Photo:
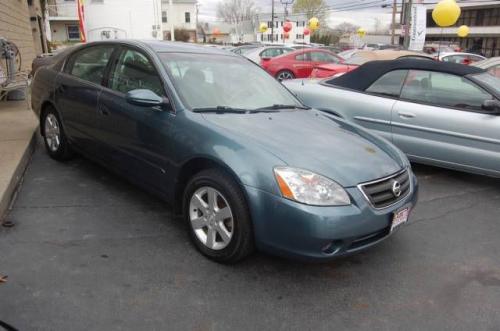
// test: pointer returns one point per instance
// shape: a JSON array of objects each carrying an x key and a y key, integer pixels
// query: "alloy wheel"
[
  {"x": 211, "y": 218},
  {"x": 52, "y": 132},
  {"x": 284, "y": 75}
]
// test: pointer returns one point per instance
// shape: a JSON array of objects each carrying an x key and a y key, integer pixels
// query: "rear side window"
[
  {"x": 89, "y": 64},
  {"x": 323, "y": 57},
  {"x": 443, "y": 89},
  {"x": 389, "y": 84},
  {"x": 303, "y": 57}
]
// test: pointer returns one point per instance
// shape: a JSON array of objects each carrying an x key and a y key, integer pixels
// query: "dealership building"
[{"x": 483, "y": 19}]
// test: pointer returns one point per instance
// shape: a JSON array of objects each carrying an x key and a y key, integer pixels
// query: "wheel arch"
[{"x": 191, "y": 168}]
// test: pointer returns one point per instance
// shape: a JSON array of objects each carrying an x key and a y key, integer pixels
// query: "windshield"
[
  {"x": 489, "y": 80},
  {"x": 209, "y": 80}
]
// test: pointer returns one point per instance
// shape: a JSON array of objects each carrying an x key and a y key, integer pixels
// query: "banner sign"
[
  {"x": 81, "y": 19},
  {"x": 418, "y": 24}
]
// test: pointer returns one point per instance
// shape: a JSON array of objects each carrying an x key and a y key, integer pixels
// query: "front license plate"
[{"x": 399, "y": 218}]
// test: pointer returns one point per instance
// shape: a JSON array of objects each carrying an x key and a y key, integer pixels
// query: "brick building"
[{"x": 21, "y": 22}]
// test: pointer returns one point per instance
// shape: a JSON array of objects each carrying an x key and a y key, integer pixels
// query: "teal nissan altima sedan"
[{"x": 245, "y": 163}]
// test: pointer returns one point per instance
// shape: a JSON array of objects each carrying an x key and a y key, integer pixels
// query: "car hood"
[{"x": 313, "y": 140}]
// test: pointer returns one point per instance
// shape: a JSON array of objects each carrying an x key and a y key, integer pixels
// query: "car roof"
[
  {"x": 487, "y": 63},
  {"x": 167, "y": 46},
  {"x": 364, "y": 76}
]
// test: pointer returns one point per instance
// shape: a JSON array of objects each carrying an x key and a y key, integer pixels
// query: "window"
[
  {"x": 89, "y": 64},
  {"x": 443, "y": 90},
  {"x": 272, "y": 52},
  {"x": 210, "y": 80},
  {"x": 389, "y": 84},
  {"x": 323, "y": 57},
  {"x": 494, "y": 70},
  {"x": 187, "y": 17},
  {"x": 303, "y": 57},
  {"x": 164, "y": 16},
  {"x": 73, "y": 32},
  {"x": 134, "y": 71}
]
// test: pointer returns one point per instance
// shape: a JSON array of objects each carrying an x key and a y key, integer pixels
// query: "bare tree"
[
  {"x": 345, "y": 28},
  {"x": 236, "y": 11},
  {"x": 311, "y": 8}
]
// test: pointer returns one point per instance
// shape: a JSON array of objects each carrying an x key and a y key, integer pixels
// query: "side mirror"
[
  {"x": 145, "y": 98},
  {"x": 491, "y": 105}
]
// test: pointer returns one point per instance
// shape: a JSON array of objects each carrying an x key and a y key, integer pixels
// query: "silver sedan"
[{"x": 441, "y": 114}]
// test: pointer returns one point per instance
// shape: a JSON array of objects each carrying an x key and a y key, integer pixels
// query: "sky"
[{"x": 340, "y": 13}]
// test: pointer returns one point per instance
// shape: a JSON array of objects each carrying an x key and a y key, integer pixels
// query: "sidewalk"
[{"x": 17, "y": 127}]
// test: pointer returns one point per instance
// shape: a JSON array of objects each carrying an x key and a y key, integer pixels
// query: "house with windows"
[
  {"x": 181, "y": 16},
  {"x": 62, "y": 21},
  {"x": 276, "y": 34},
  {"x": 104, "y": 19}
]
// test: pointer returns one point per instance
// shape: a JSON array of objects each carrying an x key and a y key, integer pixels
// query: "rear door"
[
  {"x": 439, "y": 120},
  {"x": 77, "y": 92},
  {"x": 137, "y": 137},
  {"x": 302, "y": 65}
]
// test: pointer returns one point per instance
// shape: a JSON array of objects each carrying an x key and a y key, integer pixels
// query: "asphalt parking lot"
[{"x": 91, "y": 252}]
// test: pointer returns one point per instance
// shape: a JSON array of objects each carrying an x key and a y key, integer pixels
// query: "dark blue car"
[{"x": 231, "y": 149}]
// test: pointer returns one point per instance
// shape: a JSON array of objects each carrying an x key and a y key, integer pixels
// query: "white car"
[
  {"x": 257, "y": 54},
  {"x": 492, "y": 65},
  {"x": 462, "y": 58}
]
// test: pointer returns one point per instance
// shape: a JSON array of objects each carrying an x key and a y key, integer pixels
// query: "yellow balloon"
[
  {"x": 313, "y": 23},
  {"x": 361, "y": 32},
  {"x": 263, "y": 27},
  {"x": 463, "y": 31},
  {"x": 446, "y": 13}
]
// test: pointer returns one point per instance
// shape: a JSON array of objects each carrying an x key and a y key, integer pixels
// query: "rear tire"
[
  {"x": 56, "y": 142},
  {"x": 217, "y": 217},
  {"x": 284, "y": 75}
]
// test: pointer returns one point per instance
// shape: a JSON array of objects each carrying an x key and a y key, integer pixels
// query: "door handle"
[
  {"x": 406, "y": 115},
  {"x": 61, "y": 89},
  {"x": 103, "y": 110}
]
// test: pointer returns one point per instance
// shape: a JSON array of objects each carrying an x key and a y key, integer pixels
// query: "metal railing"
[{"x": 62, "y": 10}]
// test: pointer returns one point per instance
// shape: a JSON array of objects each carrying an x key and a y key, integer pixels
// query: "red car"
[
  {"x": 329, "y": 70},
  {"x": 298, "y": 64}
]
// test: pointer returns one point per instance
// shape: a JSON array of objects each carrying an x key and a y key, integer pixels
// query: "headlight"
[{"x": 310, "y": 188}]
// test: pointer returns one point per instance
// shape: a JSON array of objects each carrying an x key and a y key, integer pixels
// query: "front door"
[
  {"x": 439, "y": 120},
  {"x": 136, "y": 136}
]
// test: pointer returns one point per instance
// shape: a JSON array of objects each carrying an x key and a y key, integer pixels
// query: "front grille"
[{"x": 384, "y": 192}]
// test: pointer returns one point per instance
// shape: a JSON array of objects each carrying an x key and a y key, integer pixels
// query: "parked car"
[
  {"x": 438, "y": 113},
  {"x": 245, "y": 48},
  {"x": 442, "y": 47},
  {"x": 333, "y": 49},
  {"x": 257, "y": 54},
  {"x": 298, "y": 64},
  {"x": 456, "y": 57},
  {"x": 244, "y": 162},
  {"x": 361, "y": 57},
  {"x": 492, "y": 65}
]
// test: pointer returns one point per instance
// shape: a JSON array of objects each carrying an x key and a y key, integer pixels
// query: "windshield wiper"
[
  {"x": 221, "y": 109},
  {"x": 280, "y": 106}
]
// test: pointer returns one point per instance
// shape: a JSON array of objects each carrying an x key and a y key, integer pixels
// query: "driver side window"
[{"x": 135, "y": 71}]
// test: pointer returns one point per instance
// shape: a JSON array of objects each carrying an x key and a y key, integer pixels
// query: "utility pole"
[
  {"x": 407, "y": 23},
  {"x": 171, "y": 19},
  {"x": 393, "y": 32},
  {"x": 196, "y": 23},
  {"x": 272, "y": 19}
]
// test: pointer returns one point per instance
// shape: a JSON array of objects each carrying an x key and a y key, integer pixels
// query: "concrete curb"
[{"x": 7, "y": 197}]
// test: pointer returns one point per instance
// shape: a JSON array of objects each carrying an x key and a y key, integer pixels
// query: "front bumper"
[{"x": 287, "y": 228}]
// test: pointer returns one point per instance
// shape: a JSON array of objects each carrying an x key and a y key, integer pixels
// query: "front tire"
[
  {"x": 56, "y": 143},
  {"x": 217, "y": 217}
]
